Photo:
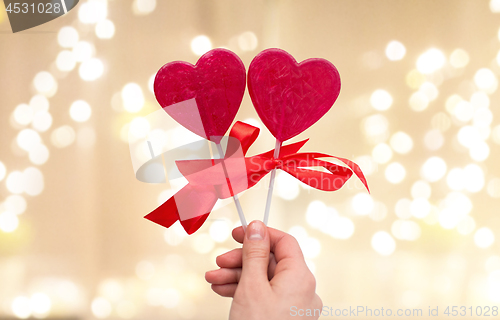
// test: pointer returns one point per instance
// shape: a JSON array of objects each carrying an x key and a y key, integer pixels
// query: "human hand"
[{"x": 267, "y": 278}]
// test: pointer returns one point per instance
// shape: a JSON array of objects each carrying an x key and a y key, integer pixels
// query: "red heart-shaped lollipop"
[
  {"x": 289, "y": 96},
  {"x": 206, "y": 97}
]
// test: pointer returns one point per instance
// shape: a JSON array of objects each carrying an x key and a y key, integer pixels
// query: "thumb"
[{"x": 256, "y": 249}]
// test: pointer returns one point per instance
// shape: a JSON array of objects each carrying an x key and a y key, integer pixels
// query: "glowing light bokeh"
[
  {"x": 21, "y": 307},
  {"x": 311, "y": 247},
  {"x": 3, "y": 171},
  {"x": 381, "y": 100},
  {"x": 420, "y": 208},
  {"x": 8, "y": 222},
  {"x": 201, "y": 44},
  {"x": 433, "y": 139},
  {"x": 456, "y": 179},
  {"x": 419, "y": 101},
  {"x": 65, "y": 61},
  {"x": 496, "y": 134},
  {"x": 382, "y": 153},
  {"x": 14, "y": 182},
  {"x": 174, "y": 235},
  {"x": 287, "y": 187},
  {"x": 480, "y": 100},
  {"x": 28, "y": 139},
  {"x": 448, "y": 219},
  {"x": 383, "y": 243},
  {"x": 459, "y": 58},
  {"x": 484, "y": 237},
  {"x": 459, "y": 202},
  {"x": 493, "y": 187},
  {"x": 15, "y": 204},
  {"x": 33, "y": 181},
  {"x": 143, "y": 7},
  {"x": 139, "y": 128},
  {"x": 395, "y": 172},
  {"x": 101, "y": 308},
  {"x": 40, "y": 305},
  {"x": 401, "y": 142},
  {"x": 132, "y": 97},
  {"x": 338, "y": 227},
  {"x": 395, "y": 50},
  {"x": 63, "y": 136},
  {"x": 495, "y": 6},
  {"x": 42, "y": 121},
  {"x": 247, "y": 41},
  {"x": 414, "y": 79},
  {"x": 92, "y": 11},
  {"x": 80, "y": 111},
  {"x": 39, "y": 103},
  {"x": 171, "y": 298},
  {"x": 479, "y": 151},
  {"x": 485, "y": 79},
  {"x": 317, "y": 214},
  {"x": 105, "y": 29},
  {"x": 482, "y": 118},
  {"x": 468, "y": 136},
  {"x": 220, "y": 230},
  {"x": 39, "y": 154},
  {"x": 433, "y": 169},
  {"x": 376, "y": 127},
  {"x": 362, "y": 203},
  {"x": 83, "y": 51},
  {"x": 463, "y": 111},
  {"x": 23, "y": 114},
  {"x": 44, "y": 82},
  {"x": 474, "y": 178},
  {"x": 429, "y": 90},
  {"x": 430, "y": 61},
  {"x": 91, "y": 69},
  {"x": 451, "y": 102},
  {"x": 67, "y": 37}
]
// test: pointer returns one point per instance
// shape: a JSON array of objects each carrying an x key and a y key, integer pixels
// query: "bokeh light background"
[{"x": 418, "y": 110}]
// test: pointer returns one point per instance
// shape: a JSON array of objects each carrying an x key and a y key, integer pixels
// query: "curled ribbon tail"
[
  {"x": 314, "y": 155},
  {"x": 332, "y": 180},
  {"x": 357, "y": 171},
  {"x": 191, "y": 206}
]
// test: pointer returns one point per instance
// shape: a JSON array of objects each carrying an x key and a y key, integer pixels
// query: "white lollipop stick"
[
  {"x": 235, "y": 197},
  {"x": 277, "y": 148}
]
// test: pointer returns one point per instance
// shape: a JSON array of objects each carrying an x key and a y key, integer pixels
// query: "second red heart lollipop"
[
  {"x": 289, "y": 96},
  {"x": 205, "y": 97}
]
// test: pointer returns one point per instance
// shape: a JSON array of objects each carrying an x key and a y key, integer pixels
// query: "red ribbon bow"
[{"x": 210, "y": 180}]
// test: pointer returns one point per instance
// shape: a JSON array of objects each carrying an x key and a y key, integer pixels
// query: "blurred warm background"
[{"x": 418, "y": 110}]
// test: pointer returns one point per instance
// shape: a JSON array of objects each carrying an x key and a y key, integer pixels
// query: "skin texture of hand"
[{"x": 267, "y": 278}]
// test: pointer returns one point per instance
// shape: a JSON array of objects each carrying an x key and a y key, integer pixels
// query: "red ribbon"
[{"x": 208, "y": 179}]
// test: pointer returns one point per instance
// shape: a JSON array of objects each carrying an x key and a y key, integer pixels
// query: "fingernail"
[{"x": 255, "y": 231}]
